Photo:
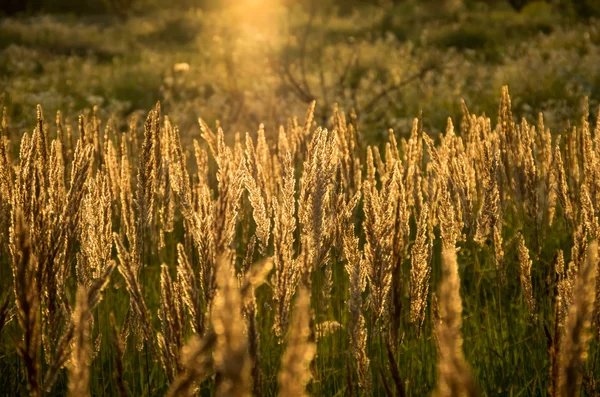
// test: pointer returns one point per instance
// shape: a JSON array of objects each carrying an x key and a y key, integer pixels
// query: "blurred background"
[{"x": 243, "y": 62}]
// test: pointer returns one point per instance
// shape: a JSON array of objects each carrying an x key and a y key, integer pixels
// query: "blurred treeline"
[
  {"x": 246, "y": 62},
  {"x": 124, "y": 8}
]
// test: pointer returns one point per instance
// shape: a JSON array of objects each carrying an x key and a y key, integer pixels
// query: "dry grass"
[{"x": 305, "y": 266}]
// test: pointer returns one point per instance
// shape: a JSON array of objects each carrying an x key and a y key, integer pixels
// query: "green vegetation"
[{"x": 408, "y": 58}]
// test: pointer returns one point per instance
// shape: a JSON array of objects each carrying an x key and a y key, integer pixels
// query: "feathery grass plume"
[
  {"x": 564, "y": 283},
  {"x": 111, "y": 165},
  {"x": 56, "y": 188},
  {"x": 27, "y": 291},
  {"x": 543, "y": 143},
  {"x": 587, "y": 217},
  {"x": 32, "y": 196},
  {"x": 454, "y": 375},
  {"x": 413, "y": 161},
  {"x": 119, "y": 349},
  {"x": 371, "y": 171},
  {"x": 564, "y": 286},
  {"x": 178, "y": 174},
  {"x": 165, "y": 194},
  {"x": 580, "y": 247},
  {"x": 129, "y": 271},
  {"x": 65, "y": 230},
  {"x": 489, "y": 218},
  {"x": 201, "y": 157},
  {"x": 357, "y": 277},
  {"x": 55, "y": 237},
  {"x": 201, "y": 222},
  {"x": 420, "y": 271},
  {"x": 379, "y": 165},
  {"x": 79, "y": 366},
  {"x": 24, "y": 186},
  {"x": 131, "y": 262},
  {"x": 283, "y": 147},
  {"x": 248, "y": 258},
  {"x": 41, "y": 139},
  {"x": 188, "y": 285},
  {"x": 316, "y": 225},
  {"x": 380, "y": 209},
  {"x": 572, "y": 152},
  {"x": 230, "y": 354},
  {"x": 93, "y": 122},
  {"x": 96, "y": 229},
  {"x": 261, "y": 217},
  {"x": 147, "y": 170},
  {"x": 508, "y": 138},
  {"x": 563, "y": 190},
  {"x": 350, "y": 167},
  {"x": 530, "y": 177},
  {"x": 209, "y": 137},
  {"x": 197, "y": 361},
  {"x": 461, "y": 173},
  {"x": 520, "y": 153},
  {"x": 265, "y": 167},
  {"x": 170, "y": 340},
  {"x": 550, "y": 191},
  {"x": 294, "y": 374},
  {"x": 230, "y": 188},
  {"x": 525, "y": 276},
  {"x": 432, "y": 185},
  {"x": 448, "y": 217},
  {"x": 308, "y": 120},
  {"x": 471, "y": 132},
  {"x": 450, "y": 228},
  {"x": 588, "y": 154},
  {"x": 546, "y": 172},
  {"x": 132, "y": 136},
  {"x": 138, "y": 213},
  {"x": 575, "y": 346},
  {"x": 203, "y": 236},
  {"x": 400, "y": 245},
  {"x": 286, "y": 274},
  {"x": 253, "y": 161},
  {"x": 127, "y": 220},
  {"x": 6, "y": 188}
]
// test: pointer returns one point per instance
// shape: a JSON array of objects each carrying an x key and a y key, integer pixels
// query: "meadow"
[{"x": 387, "y": 239}]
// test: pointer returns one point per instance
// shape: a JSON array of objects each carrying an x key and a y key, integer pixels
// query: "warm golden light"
[{"x": 257, "y": 14}]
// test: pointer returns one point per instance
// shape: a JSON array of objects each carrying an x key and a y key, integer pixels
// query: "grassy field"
[{"x": 152, "y": 253}]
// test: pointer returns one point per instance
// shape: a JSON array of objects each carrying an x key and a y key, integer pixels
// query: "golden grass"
[{"x": 308, "y": 199}]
